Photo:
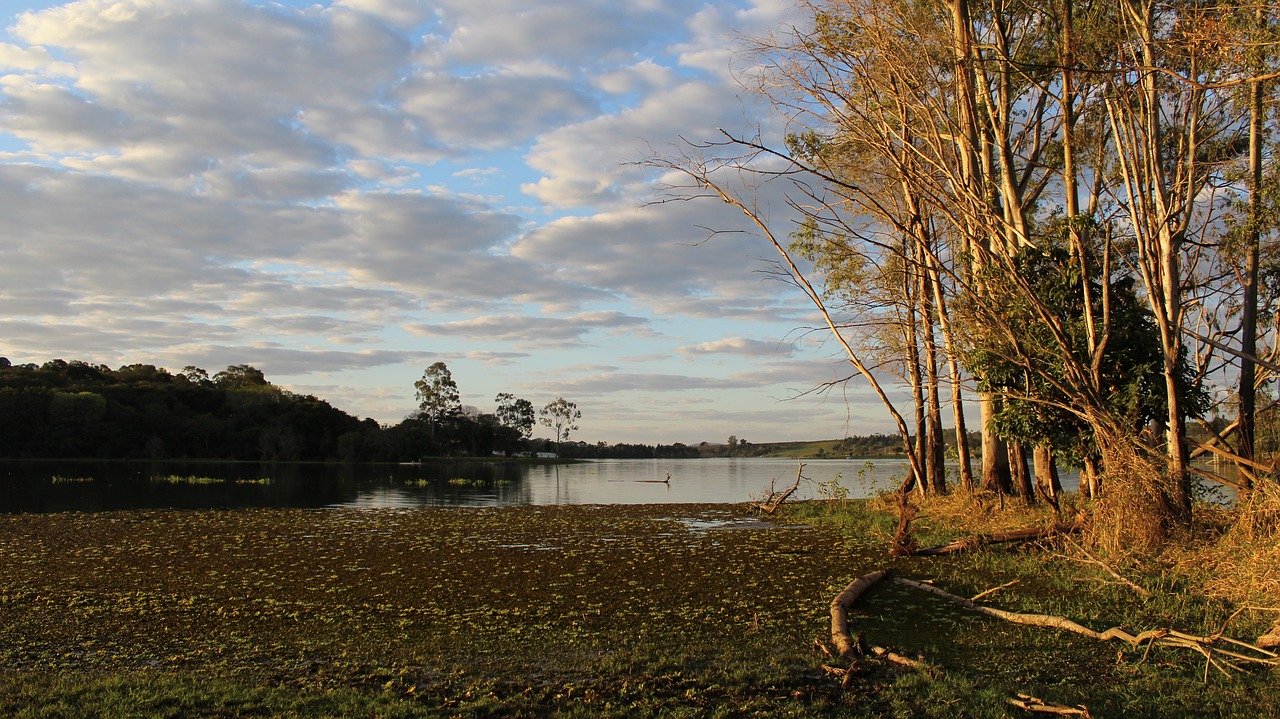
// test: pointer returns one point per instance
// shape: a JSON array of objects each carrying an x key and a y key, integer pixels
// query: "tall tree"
[
  {"x": 562, "y": 417},
  {"x": 953, "y": 137},
  {"x": 437, "y": 395},
  {"x": 515, "y": 413}
]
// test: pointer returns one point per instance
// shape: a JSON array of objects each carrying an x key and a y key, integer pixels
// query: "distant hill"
[{"x": 868, "y": 447}]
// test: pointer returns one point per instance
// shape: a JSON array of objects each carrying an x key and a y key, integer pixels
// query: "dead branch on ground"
[
  {"x": 1090, "y": 559},
  {"x": 1017, "y": 535},
  {"x": 1032, "y": 704},
  {"x": 1220, "y": 651},
  {"x": 1211, "y": 647},
  {"x": 846, "y": 646},
  {"x": 993, "y": 590}
]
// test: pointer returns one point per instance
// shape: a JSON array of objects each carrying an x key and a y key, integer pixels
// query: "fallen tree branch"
[
  {"x": 1207, "y": 646},
  {"x": 1017, "y": 535},
  {"x": 774, "y": 499},
  {"x": 993, "y": 590},
  {"x": 1095, "y": 561},
  {"x": 840, "y": 610},
  {"x": 845, "y": 644},
  {"x": 1032, "y": 704}
]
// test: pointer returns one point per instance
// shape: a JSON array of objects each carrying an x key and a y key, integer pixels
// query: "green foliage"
[
  {"x": 241, "y": 377},
  {"x": 437, "y": 394},
  {"x": 515, "y": 412},
  {"x": 73, "y": 409},
  {"x": 833, "y": 492},
  {"x": 1023, "y": 354},
  {"x": 561, "y": 416}
]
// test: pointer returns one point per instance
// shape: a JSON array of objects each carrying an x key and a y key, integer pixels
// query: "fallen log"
[
  {"x": 845, "y": 644},
  {"x": 1017, "y": 535},
  {"x": 840, "y": 610}
]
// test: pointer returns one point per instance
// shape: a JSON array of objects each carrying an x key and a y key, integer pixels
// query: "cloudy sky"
[{"x": 341, "y": 193}]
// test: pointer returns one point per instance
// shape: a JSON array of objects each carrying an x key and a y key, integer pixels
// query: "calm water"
[{"x": 99, "y": 486}]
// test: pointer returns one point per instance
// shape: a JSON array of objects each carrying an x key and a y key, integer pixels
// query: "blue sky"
[{"x": 343, "y": 193}]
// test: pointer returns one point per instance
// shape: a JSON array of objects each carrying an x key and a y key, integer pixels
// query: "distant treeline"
[
  {"x": 872, "y": 445},
  {"x": 75, "y": 409}
]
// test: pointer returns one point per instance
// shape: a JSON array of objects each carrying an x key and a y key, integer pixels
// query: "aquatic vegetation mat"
[
  {"x": 444, "y": 606},
  {"x": 632, "y": 610}
]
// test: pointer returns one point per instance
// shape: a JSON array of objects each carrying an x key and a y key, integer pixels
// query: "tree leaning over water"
[{"x": 932, "y": 146}]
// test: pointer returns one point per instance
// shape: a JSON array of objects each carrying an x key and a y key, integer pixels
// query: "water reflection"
[{"x": 99, "y": 486}]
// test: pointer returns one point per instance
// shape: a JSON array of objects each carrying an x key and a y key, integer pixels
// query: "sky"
[{"x": 342, "y": 193}]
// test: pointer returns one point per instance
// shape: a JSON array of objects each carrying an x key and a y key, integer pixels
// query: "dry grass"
[
  {"x": 1234, "y": 554},
  {"x": 1134, "y": 514},
  {"x": 1241, "y": 560},
  {"x": 944, "y": 517}
]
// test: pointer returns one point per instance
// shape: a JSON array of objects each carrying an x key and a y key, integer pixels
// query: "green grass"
[{"x": 635, "y": 611}]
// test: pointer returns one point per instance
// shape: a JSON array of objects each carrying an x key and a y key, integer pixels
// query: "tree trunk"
[
  {"x": 934, "y": 456},
  {"x": 953, "y": 369},
  {"x": 1246, "y": 431},
  {"x": 1047, "y": 481},
  {"x": 915, "y": 371},
  {"x": 995, "y": 453},
  {"x": 1021, "y": 473}
]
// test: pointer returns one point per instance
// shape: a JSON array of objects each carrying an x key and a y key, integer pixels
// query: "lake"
[{"x": 98, "y": 486}]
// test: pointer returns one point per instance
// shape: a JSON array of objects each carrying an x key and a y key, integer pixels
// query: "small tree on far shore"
[
  {"x": 515, "y": 413},
  {"x": 561, "y": 416}
]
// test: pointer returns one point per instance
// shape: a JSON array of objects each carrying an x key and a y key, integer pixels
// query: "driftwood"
[
  {"x": 840, "y": 610},
  {"x": 774, "y": 499},
  {"x": 1220, "y": 652}
]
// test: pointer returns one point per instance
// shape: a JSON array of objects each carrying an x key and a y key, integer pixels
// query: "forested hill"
[
  {"x": 75, "y": 409},
  {"x": 79, "y": 410}
]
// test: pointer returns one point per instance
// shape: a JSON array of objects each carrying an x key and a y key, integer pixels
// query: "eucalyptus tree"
[
  {"x": 562, "y": 417},
  {"x": 437, "y": 395},
  {"x": 944, "y": 140},
  {"x": 515, "y": 412}
]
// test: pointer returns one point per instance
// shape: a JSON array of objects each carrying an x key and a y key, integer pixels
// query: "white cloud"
[
  {"x": 741, "y": 346},
  {"x": 493, "y": 109},
  {"x": 332, "y": 191},
  {"x": 534, "y": 330},
  {"x": 403, "y": 14},
  {"x": 505, "y": 32}
]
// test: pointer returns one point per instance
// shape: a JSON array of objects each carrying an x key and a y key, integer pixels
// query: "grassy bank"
[{"x": 686, "y": 610}]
